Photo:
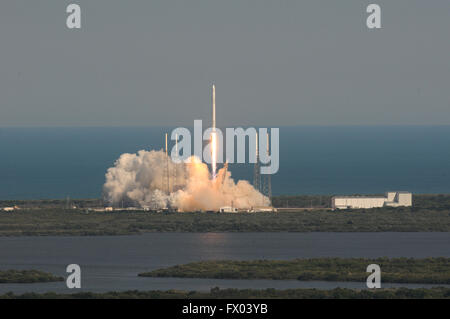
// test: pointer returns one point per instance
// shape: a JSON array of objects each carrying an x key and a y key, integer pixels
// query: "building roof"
[
  {"x": 361, "y": 196},
  {"x": 368, "y": 196}
]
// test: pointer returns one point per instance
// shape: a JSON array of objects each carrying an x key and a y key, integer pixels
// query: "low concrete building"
[
  {"x": 227, "y": 209},
  {"x": 102, "y": 209},
  {"x": 391, "y": 199}
]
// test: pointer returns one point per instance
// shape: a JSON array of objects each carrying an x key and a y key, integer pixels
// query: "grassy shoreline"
[
  {"x": 395, "y": 270},
  {"x": 57, "y": 222},
  {"x": 216, "y": 293},
  {"x": 26, "y": 277},
  {"x": 431, "y": 213}
]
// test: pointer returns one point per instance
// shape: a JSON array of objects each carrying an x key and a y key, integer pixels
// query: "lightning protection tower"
[
  {"x": 166, "y": 173},
  {"x": 267, "y": 180},
  {"x": 256, "y": 169}
]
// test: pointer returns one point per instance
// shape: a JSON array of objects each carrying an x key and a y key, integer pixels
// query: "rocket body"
[
  {"x": 213, "y": 135},
  {"x": 214, "y": 107}
]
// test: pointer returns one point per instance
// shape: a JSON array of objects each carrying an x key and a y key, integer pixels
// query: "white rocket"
[
  {"x": 214, "y": 108},
  {"x": 213, "y": 136}
]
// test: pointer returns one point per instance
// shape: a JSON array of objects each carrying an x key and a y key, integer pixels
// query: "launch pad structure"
[
  {"x": 261, "y": 182},
  {"x": 166, "y": 173}
]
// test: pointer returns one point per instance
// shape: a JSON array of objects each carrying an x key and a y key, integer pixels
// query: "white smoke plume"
[{"x": 141, "y": 180}]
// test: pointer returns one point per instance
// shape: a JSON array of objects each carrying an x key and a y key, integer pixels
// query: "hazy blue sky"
[{"x": 274, "y": 63}]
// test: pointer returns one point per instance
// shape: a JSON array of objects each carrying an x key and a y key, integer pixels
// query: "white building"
[
  {"x": 228, "y": 209},
  {"x": 392, "y": 199},
  {"x": 263, "y": 209}
]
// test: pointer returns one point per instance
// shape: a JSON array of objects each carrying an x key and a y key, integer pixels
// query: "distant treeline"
[
  {"x": 420, "y": 201},
  {"x": 302, "y": 201},
  {"x": 216, "y": 293},
  {"x": 26, "y": 276},
  {"x": 53, "y": 203},
  {"x": 396, "y": 270}
]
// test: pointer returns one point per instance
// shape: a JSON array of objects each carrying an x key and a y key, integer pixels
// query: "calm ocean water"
[
  {"x": 112, "y": 263},
  {"x": 60, "y": 162}
]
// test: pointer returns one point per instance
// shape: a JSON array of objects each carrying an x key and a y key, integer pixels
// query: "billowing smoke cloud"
[{"x": 141, "y": 180}]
